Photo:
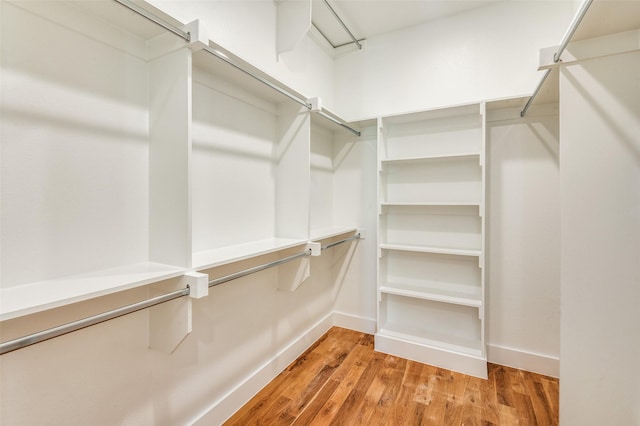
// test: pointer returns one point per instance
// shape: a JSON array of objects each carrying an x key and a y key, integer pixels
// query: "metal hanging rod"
[
  {"x": 337, "y": 243},
  {"x": 355, "y": 40},
  {"x": 167, "y": 26},
  {"x": 60, "y": 330},
  {"x": 227, "y": 278},
  {"x": 575, "y": 23},
  {"x": 338, "y": 122}
]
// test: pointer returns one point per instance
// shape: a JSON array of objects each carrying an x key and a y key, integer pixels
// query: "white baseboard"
[
  {"x": 529, "y": 361},
  {"x": 225, "y": 407},
  {"x": 356, "y": 323}
]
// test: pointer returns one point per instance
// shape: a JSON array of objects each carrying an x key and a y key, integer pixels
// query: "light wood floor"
[{"x": 340, "y": 380}]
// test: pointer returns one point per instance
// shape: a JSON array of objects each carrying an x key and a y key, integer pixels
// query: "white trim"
[
  {"x": 529, "y": 361},
  {"x": 227, "y": 405},
  {"x": 353, "y": 322}
]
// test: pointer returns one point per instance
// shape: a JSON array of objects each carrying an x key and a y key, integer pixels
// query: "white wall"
[
  {"x": 487, "y": 53},
  {"x": 523, "y": 292},
  {"x": 248, "y": 29},
  {"x": 600, "y": 177}
]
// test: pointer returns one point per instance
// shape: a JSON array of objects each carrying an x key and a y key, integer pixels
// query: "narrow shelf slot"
[{"x": 39, "y": 296}]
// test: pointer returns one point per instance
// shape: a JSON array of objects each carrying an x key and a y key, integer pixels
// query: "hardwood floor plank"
[{"x": 341, "y": 380}]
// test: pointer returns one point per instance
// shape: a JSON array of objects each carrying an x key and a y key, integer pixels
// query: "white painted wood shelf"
[
  {"x": 438, "y": 292},
  {"x": 434, "y": 157},
  {"x": 39, "y": 296},
  {"x": 330, "y": 232},
  {"x": 427, "y": 249},
  {"x": 225, "y": 255}
]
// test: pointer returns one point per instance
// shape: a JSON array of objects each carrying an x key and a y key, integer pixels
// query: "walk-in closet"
[{"x": 319, "y": 212}]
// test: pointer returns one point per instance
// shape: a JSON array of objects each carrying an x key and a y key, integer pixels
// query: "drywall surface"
[
  {"x": 600, "y": 173},
  {"x": 487, "y": 53},
  {"x": 523, "y": 291},
  {"x": 248, "y": 29}
]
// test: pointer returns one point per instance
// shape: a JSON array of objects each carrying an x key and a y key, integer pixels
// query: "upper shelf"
[
  {"x": 39, "y": 296},
  {"x": 606, "y": 17},
  {"x": 441, "y": 113},
  {"x": 444, "y": 156}
]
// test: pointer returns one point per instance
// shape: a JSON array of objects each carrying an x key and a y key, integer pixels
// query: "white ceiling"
[{"x": 368, "y": 18}]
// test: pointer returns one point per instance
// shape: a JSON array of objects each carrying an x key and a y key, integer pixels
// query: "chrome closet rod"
[
  {"x": 235, "y": 276},
  {"x": 355, "y": 40},
  {"x": 339, "y": 123},
  {"x": 260, "y": 79},
  {"x": 337, "y": 243},
  {"x": 167, "y": 26},
  {"x": 60, "y": 330},
  {"x": 575, "y": 23}
]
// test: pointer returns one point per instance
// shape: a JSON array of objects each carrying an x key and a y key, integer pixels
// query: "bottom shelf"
[
  {"x": 450, "y": 327},
  {"x": 397, "y": 345},
  {"x": 39, "y": 296}
]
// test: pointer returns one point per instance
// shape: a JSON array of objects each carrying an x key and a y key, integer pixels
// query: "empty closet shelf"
[
  {"x": 229, "y": 254},
  {"x": 427, "y": 249},
  {"x": 437, "y": 292},
  {"x": 433, "y": 157},
  {"x": 330, "y": 232},
  {"x": 39, "y": 296}
]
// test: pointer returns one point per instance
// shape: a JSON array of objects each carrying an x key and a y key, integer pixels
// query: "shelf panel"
[
  {"x": 431, "y": 204},
  {"x": 433, "y": 157},
  {"x": 39, "y": 296},
  {"x": 330, "y": 232},
  {"x": 224, "y": 255},
  {"x": 437, "y": 292},
  {"x": 427, "y": 249}
]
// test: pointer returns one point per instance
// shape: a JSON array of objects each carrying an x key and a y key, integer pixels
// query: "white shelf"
[
  {"x": 427, "y": 249},
  {"x": 30, "y": 298},
  {"x": 330, "y": 232},
  {"x": 434, "y": 340},
  {"x": 431, "y": 204},
  {"x": 224, "y": 255},
  {"x": 433, "y": 157},
  {"x": 438, "y": 292}
]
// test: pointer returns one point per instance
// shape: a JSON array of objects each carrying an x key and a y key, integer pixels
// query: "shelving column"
[{"x": 431, "y": 237}]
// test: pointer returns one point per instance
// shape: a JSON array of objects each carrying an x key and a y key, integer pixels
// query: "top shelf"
[{"x": 442, "y": 113}]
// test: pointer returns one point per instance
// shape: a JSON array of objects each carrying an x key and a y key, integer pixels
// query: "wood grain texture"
[{"x": 341, "y": 380}]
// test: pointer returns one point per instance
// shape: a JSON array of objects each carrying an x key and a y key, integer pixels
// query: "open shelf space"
[
  {"x": 454, "y": 181},
  {"x": 76, "y": 167},
  {"x": 441, "y": 277},
  {"x": 329, "y": 149},
  {"x": 450, "y": 227},
  {"x": 249, "y": 166},
  {"x": 425, "y": 322},
  {"x": 429, "y": 249},
  {"x": 448, "y": 132}
]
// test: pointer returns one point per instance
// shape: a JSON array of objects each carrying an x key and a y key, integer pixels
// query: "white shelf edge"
[
  {"x": 432, "y": 203},
  {"x": 435, "y": 297},
  {"x": 330, "y": 232},
  {"x": 21, "y": 300},
  {"x": 436, "y": 250},
  {"x": 446, "y": 156},
  {"x": 437, "y": 344},
  {"x": 221, "y": 256}
]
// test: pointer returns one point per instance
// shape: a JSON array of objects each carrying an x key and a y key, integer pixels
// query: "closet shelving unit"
[
  {"x": 150, "y": 158},
  {"x": 431, "y": 237}
]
